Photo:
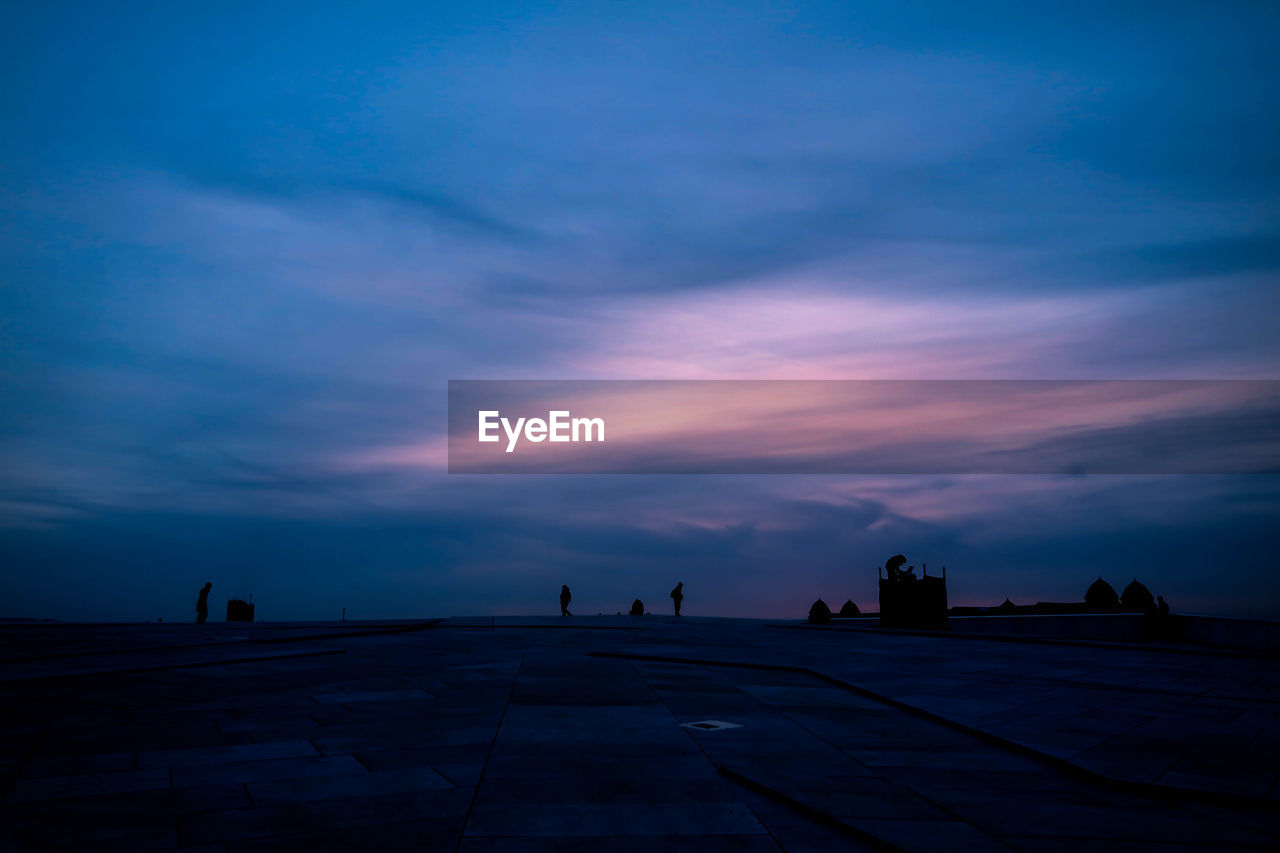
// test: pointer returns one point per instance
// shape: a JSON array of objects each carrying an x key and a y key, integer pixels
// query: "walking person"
[
  {"x": 202, "y": 603},
  {"x": 565, "y": 598},
  {"x": 677, "y": 596}
]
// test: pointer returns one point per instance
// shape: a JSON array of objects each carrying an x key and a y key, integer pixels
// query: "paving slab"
[
  {"x": 531, "y": 735},
  {"x": 86, "y": 785},
  {"x": 624, "y": 819},
  {"x": 250, "y": 772}
]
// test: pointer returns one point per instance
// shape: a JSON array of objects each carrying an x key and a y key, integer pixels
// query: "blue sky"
[{"x": 243, "y": 249}]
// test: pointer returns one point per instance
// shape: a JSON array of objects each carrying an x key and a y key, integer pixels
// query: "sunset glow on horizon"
[{"x": 245, "y": 250}]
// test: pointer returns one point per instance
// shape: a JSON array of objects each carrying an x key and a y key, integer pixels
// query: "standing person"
[
  {"x": 565, "y": 598},
  {"x": 202, "y": 603},
  {"x": 677, "y": 596}
]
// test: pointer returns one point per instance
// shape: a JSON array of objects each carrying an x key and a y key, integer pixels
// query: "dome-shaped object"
[
  {"x": 1101, "y": 596},
  {"x": 849, "y": 609},
  {"x": 1136, "y": 596},
  {"x": 637, "y": 608},
  {"x": 820, "y": 613}
]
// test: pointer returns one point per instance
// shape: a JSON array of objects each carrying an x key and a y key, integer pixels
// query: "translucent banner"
[{"x": 864, "y": 427}]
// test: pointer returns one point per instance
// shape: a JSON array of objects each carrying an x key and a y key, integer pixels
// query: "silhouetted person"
[
  {"x": 894, "y": 566},
  {"x": 637, "y": 608},
  {"x": 202, "y": 603},
  {"x": 677, "y": 596},
  {"x": 565, "y": 598},
  {"x": 1164, "y": 607}
]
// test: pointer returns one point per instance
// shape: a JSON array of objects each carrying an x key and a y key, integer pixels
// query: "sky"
[{"x": 244, "y": 247}]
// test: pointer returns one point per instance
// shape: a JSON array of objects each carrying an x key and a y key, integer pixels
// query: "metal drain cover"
[{"x": 711, "y": 725}]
